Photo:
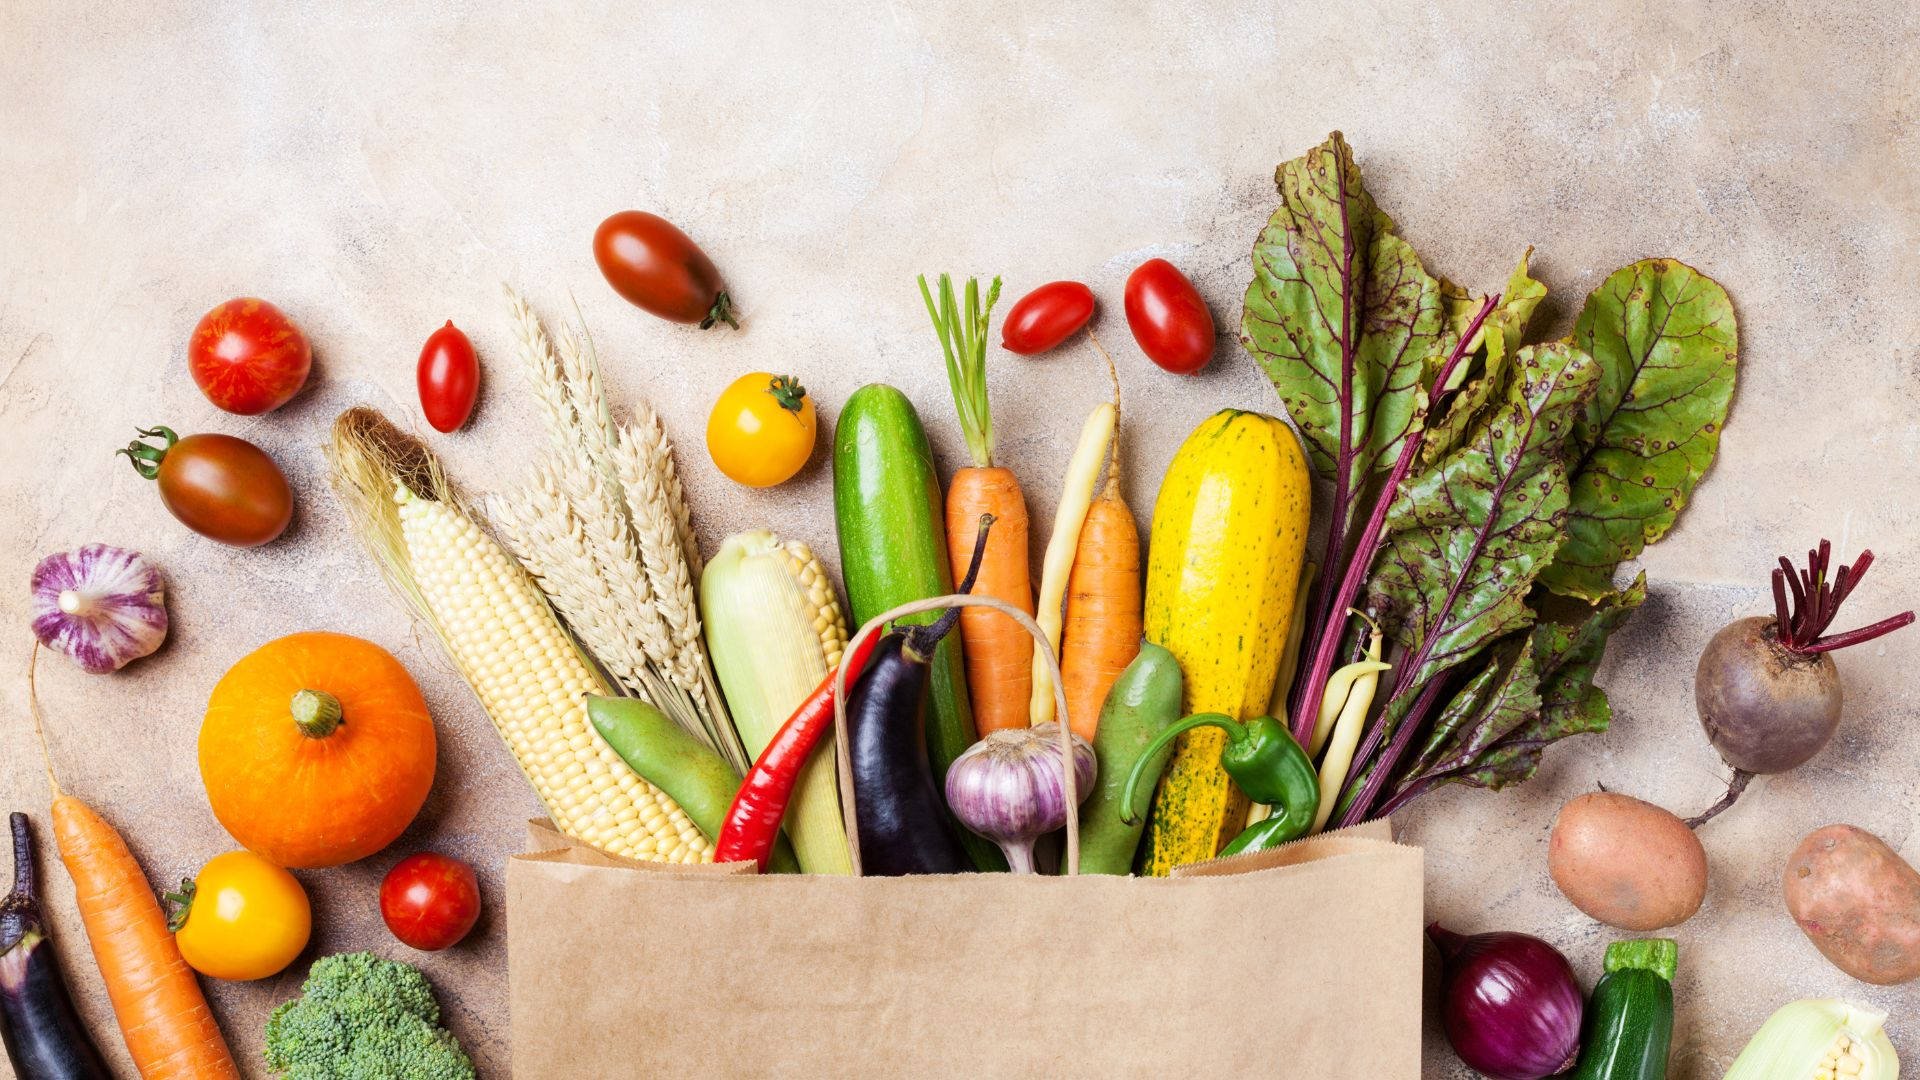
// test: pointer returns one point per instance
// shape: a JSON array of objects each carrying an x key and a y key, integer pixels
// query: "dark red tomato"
[
  {"x": 658, "y": 269},
  {"x": 223, "y": 488},
  {"x": 449, "y": 377},
  {"x": 430, "y": 901},
  {"x": 1046, "y": 317},
  {"x": 1168, "y": 318},
  {"x": 248, "y": 357}
]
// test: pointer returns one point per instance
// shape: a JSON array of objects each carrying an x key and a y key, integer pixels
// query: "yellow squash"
[{"x": 1229, "y": 533}]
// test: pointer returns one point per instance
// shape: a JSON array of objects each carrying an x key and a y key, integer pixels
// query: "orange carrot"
[
  {"x": 170, "y": 1032},
  {"x": 169, "y": 1029},
  {"x": 998, "y": 653},
  {"x": 1103, "y": 627}
]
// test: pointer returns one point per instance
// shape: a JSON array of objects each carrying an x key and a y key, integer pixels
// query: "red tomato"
[
  {"x": 1168, "y": 318},
  {"x": 658, "y": 269},
  {"x": 449, "y": 377},
  {"x": 1046, "y": 317},
  {"x": 430, "y": 901},
  {"x": 248, "y": 357}
]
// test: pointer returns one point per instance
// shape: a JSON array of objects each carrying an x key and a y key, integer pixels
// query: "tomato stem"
[
  {"x": 721, "y": 311},
  {"x": 146, "y": 458},
  {"x": 786, "y": 390},
  {"x": 184, "y": 904}
]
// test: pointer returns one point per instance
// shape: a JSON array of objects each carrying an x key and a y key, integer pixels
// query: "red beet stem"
[
  {"x": 1854, "y": 637},
  {"x": 1817, "y": 597},
  {"x": 1783, "y": 625}
]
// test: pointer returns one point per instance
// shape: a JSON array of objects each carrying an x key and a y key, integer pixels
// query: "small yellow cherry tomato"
[
  {"x": 761, "y": 431},
  {"x": 242, "y": 918}
]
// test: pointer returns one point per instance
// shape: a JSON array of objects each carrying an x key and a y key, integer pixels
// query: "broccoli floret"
[{"x": 363, "y": 1017}]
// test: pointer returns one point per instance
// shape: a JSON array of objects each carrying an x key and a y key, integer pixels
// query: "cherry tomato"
[
  {"x": 242, "y": 918},
  {"x": 653, "y": 264},
  {"x": 1046, "y": 317},
  {"x": 223, "y": 488},
  {"x": 761, "y": 430},
  {"x": 248, "y": 357},
  {"x": 1168, "y": 318},
  {"x": 430, "y": 900},
  {"x": 449, "y": 378}
]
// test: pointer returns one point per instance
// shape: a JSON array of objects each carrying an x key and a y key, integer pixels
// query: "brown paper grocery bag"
[{"x": 1303, "y": 961}]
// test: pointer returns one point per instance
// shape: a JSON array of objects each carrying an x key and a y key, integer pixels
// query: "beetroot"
[{"x": 1767, "y": 692}]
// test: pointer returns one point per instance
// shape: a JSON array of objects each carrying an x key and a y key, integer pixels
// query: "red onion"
[{"x": 1509, "y": 1004}]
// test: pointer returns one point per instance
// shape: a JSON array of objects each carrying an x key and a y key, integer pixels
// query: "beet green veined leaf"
[
  {"x": 1344, "y": 319},
  {"x": 1667, "y": 343},
  {"x": 1495, "y": 703},
  {"x": 1570, "y": 703},
  {"x": 1466, "y": 539},
  {"x": 1500, "y": 339}
]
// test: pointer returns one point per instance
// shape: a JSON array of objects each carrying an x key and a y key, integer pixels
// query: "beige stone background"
[{"x": 384, "y": 168}]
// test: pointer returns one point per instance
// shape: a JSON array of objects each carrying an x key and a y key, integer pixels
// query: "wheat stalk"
[
  {"x": 649, "y": 506},
  {"x": 605, "y": 528},
  {"x": 541, "y": 368},
  {"x": 542, "y": 531},
  {"x": 651, "y": 437}
]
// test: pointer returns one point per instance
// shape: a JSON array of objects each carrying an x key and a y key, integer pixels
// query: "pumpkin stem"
[{"x": 316, "y": 713}]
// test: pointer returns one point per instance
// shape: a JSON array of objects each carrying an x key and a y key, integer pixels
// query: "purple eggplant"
[
  {"x": 904, "y": 825},
  {"x": 44, "y": 1036}
]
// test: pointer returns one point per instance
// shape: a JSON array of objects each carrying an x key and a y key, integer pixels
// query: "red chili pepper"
[{"x": 753, "y": 821}]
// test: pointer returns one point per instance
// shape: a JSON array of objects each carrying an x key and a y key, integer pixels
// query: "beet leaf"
[
  {"x": 1465, "y": 540},
  {"x": 1499, "y": 341},
  {"x": 1561, "y": 660},
  {"x": 1344, "y": 320},
  {"x": 1667, "y": 343}
]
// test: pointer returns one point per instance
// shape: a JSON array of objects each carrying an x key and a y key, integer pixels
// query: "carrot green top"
[{"x": 964, "y": 339}]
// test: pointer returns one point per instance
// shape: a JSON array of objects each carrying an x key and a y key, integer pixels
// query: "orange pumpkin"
[{"x": 316, "y": 750}]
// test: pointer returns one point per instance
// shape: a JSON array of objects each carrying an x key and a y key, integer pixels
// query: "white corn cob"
[
  {"x": 1819, "y": 1040},
  {"x": 774, "y": 629},
  {"x": 533, "y": 682}
]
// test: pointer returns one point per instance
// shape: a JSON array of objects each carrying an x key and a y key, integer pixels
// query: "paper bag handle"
[{"x": 843, "y": 756}]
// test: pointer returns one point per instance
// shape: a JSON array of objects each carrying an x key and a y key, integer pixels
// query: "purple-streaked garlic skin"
[
  {"x": 100, "y": 606},
  {"x": 1009, "y": 787}
]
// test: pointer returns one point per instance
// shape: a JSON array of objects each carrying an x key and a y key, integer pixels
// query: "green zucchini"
[
  {"x": 893, "y": 549},
  {"x": 1629, "y": 1020},
  {"x": 1143, "y": 701}
]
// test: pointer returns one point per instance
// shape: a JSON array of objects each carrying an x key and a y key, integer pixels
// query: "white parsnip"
[{"x": 1083, "y": 471}]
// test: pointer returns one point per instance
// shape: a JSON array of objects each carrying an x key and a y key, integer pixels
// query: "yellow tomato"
[
  {"x": 244, "y": 918},
  {"x": 761, "y": 430}
]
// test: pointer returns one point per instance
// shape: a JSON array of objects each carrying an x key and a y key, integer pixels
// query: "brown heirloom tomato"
[
  {"x": 657, "y": 268},
  {"x": 223, "y": 488}
]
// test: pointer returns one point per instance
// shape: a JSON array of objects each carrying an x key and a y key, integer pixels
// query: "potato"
[
  {"x": 1627, "y": 863},
  {"x": 1858, "y": 902}
]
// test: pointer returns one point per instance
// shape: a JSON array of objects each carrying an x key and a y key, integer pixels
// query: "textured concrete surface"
[{"x": 384, "y": 168}]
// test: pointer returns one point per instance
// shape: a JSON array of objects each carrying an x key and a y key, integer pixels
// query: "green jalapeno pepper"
[{"x": 1261, "y": 757}]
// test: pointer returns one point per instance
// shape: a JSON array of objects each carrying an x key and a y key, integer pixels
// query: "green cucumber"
[
  {"x": 1629, "y": 1021},
  {"x": 1143, "y": 701},
  {"x": 893, "y": 549}
]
